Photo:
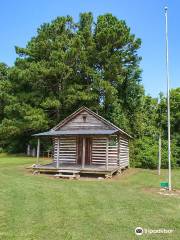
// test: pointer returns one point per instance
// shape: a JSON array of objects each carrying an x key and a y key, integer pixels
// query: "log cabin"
[{"x": 87, "y": 143}]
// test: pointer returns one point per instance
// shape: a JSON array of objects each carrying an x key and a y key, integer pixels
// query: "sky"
[{"x": 19, "y": 20}]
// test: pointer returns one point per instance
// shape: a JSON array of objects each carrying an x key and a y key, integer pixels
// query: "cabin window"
[
  {"x": 84, "y": 117},
  {"x": 113, "y": 141}
]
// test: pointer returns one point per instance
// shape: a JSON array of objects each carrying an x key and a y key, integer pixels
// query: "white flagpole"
[{"x": 168, "y": 100}]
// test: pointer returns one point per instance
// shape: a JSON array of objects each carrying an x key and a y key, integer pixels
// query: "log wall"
[
  {"x": 116, "y": 148},
  {"x": 113, "y": 150},
  {"x": 124, "y": 152},
  {"x": 98, "y": 150},
  {"x": 67, "y": 150}
]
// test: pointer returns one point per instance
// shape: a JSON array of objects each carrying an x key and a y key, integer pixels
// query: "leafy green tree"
[
  {"x": 5, "y": 88},
  {"x": 174, "y": 119},
  {"x": 174, "y": 111},
  {"x": 144, "y": 150},
  {"x": 70, "y": 64}
]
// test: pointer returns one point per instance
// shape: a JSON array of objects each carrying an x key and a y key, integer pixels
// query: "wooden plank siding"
[
  {"x": 84, "y": 120},
  {"x": 98, "y": 154},
  {"x": 124, "y": 152},
  {"x": 113, "y": 150},
  {"x": 99, "y": 151},
  {"x": 67, "y": 150},
  {"x": 118, "y": 150}
]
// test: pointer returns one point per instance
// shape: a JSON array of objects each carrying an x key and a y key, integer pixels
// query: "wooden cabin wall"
[
  {"x": 98, "y": 150},
  {"x": 113, "y": 156},
  {"x": 84, "y": 120},
  {"x": 123, "y": 152},
  {"x": 67, "y": 150},
  {"x": 118, "y": 150}
]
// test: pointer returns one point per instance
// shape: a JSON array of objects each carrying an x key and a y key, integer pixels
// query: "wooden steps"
[{"x": 70, "y": 174}]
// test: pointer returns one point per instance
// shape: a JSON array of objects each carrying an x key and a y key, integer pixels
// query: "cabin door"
[{"x": 88, "y": 144}]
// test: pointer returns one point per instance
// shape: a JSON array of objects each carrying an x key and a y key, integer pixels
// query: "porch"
[{"x": 86, "y": 169}]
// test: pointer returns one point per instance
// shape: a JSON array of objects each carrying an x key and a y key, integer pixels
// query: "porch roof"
[{"x": 76, "y": 132}]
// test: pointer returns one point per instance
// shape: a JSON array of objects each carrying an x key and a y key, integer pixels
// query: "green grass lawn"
[{"x": 40, "y": 207}]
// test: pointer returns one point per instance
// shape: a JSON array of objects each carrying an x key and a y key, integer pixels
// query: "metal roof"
[{"x": 76, "y": 132}]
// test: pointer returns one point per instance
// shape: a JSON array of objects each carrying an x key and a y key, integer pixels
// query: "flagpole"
[{"x": 168, "y": 100}]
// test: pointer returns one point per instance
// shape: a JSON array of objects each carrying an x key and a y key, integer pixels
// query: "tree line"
[{"x": 92, "y": 63}]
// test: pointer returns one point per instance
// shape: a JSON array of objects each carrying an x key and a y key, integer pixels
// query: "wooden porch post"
[
  {"x": 107, "y": 144},
  {"x": 57, "y": 162},
  {"x": 83, "y": 152},
  {"x": 38, "y": 151}
]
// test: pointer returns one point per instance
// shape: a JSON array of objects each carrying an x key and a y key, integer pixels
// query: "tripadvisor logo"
[{"x": 139, "y": 231}]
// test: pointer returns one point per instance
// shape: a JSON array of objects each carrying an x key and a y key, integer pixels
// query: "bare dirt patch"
[
  {"x": 163, "y": 192},
  {"x": 125, "y": 173}
]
